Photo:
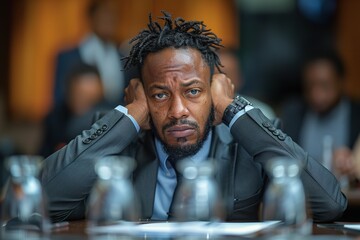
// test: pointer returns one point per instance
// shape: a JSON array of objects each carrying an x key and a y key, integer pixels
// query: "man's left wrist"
[{"x": 238, "y": 104}]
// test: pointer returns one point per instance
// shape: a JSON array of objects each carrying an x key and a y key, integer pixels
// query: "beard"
[{"x": 181, "y": 152}]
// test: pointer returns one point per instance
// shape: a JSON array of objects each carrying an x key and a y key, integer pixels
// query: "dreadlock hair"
[{"x": 176, "y": 33}]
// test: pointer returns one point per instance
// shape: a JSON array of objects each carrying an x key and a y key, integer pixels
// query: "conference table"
[{"x": 77, "y": 230}]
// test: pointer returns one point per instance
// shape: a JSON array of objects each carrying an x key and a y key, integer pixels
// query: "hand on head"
[
  {"x": 137, "y": 104},
  {"x": 222, "y": 91}
]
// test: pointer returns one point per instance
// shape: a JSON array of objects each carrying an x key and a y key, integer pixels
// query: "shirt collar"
[{"x": 200, "y": 156}]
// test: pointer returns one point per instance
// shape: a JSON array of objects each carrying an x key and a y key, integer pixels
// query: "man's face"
[
  {"x": 177, "y": 87},
  {"x": 322, "y": 86}
]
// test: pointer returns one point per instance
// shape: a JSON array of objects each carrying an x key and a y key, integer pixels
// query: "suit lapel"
[
  {"x": 146, "y": 174},
  {"x": 224, "y": 151}
]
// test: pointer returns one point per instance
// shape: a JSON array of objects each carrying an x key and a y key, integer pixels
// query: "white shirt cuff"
[
  {"x": 239, "y": 114},
  {"x": 124, "y": 110}
]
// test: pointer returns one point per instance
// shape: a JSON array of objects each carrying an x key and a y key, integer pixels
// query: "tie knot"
[{"x": 172, "y": 161}]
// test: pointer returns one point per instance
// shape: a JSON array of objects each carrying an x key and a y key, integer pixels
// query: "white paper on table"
[
  {"x": 186, "y": 228},
  {"x": 352, "y": 226}
]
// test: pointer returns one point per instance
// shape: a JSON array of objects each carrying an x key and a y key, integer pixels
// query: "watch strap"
[{"x": 238, "y": 104}]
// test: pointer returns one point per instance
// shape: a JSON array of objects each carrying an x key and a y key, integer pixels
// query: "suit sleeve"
[
  {"x": 68, "y": 175},
  {"x": 263, "y": 141}
]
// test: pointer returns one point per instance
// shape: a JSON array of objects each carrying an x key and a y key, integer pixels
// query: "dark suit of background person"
[
  {"x": 99, "y": 48},
  {"x": 83, "y": 98},
  {"x": 177, "y": 89},
  {"x": 324, "y": 105}
]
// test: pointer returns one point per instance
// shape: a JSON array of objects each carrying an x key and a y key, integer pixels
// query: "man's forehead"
[
  {"x": 172, "y": 59},
  {"x": 172, "y": 54}
]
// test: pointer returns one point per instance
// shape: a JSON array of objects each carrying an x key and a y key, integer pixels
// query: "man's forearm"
[
  {"x": 68, "y": 174},
  {"x": 263, "y": 141}
]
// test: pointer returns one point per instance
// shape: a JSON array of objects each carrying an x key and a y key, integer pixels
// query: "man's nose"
[{"x": 178, "y": 108}]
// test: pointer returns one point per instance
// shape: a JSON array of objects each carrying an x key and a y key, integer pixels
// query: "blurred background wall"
[
  {"x": 41, "y": 27},
  {"x": 271, "y": 36}
]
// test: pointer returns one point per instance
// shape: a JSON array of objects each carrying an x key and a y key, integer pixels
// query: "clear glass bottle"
[
  {"x": 112, "y": 199},
  {"x": 24, "y": 208},
  {"x": 198, "y": 197},
  {"x": 285, "y": 199}
]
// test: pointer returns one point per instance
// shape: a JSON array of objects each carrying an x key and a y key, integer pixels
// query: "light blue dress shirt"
[{"x": 166, "y": 177}]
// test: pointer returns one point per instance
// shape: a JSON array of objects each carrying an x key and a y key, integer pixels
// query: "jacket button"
[
  {"x": 266, "y": 124},
  {"x": 272, "y": 128},
  {"x": 93, "y": 136},
  {"x": 276, "y": 132},
  {"x": 282, "y": 137},
  {"x": 86, "y": 140},
  {"x": 104, "y": 127},
  {"x": 99, "y": 131}
]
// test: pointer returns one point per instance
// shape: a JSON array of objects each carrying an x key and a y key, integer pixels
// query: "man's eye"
[
  {"x": 194, "y": 92},
  {"x": 160, "y": 96}
]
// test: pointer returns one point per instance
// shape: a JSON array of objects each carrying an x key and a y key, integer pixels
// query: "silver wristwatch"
[{"x": 237, "y": 105}]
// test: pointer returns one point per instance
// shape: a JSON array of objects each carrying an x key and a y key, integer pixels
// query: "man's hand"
[
  {"x": 222, "y": 91},
  {"x": 343, "y": 162},
  {"x": 136, "y": 103}
]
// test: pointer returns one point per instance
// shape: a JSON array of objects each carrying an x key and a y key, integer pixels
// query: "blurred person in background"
[
  {"x": 84, "y": 97},
  {"x": 231, "y": 67},
  {"x": 325, "y": 122},
  {"x": 98, "y": 48}
]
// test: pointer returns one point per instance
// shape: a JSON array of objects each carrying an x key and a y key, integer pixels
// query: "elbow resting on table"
[{"x": 331, "y": 214}]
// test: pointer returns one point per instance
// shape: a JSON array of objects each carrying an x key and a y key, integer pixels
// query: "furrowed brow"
[
  {"x": 159, "y": 87},
  {"x": 192, "y": 82}
]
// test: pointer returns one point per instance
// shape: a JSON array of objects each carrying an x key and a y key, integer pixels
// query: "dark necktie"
[{"x": 172, "y": 162}]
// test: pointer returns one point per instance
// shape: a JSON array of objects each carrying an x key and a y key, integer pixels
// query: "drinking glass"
[
  {"x": 112, "y": 199},
  {"x": 284, "y": 198},
  {"x": 24, "y": 209},
  {"x": 198, "y": 197}
]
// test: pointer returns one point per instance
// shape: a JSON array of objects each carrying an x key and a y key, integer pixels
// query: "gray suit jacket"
[{"x": 68, "y": 175}]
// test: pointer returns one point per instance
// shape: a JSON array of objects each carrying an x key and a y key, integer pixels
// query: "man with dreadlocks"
[{"x": 179, "y": 108}]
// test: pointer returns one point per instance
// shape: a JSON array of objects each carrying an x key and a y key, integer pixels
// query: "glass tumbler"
[
  {"x": 112, "y": 199},
  {"x": 24, "y": 206},
  {"x": 198, "y": 197},
  {"x": 285, "y": 198}
]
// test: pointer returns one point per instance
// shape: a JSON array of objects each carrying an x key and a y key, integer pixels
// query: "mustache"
[{"x": 180, "y": 122}]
